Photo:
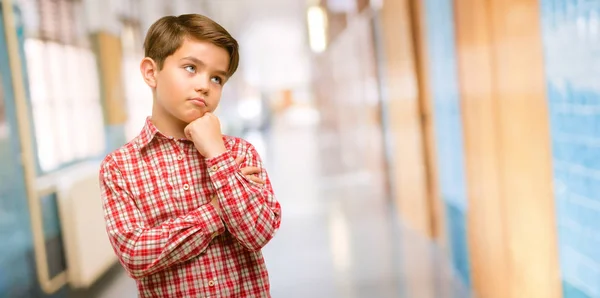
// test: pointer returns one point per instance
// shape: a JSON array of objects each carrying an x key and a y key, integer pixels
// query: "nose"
[{"x": 202, "y": 84}]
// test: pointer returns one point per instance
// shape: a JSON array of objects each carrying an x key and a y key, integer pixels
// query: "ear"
[{"x": 149, "y": 70}]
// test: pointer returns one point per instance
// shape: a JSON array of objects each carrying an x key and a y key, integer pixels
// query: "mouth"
[{"x": 198, "y": 101}]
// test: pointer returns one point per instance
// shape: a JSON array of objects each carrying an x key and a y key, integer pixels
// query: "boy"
[{"x": 184, "y": 212}]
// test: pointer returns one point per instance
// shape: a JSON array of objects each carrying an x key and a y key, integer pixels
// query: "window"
[{"x": 63, "y": 84}]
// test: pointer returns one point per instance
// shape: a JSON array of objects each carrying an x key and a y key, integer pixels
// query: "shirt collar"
[{"x": 147, "y": 134}]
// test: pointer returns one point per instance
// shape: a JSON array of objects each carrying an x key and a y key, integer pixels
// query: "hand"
[
  {"x": 205, "y": 132},
  {"x": 250, "y": 172},
  {"x": 215, "y": 203}
]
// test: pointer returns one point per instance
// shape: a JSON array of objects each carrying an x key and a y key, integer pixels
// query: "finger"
[
  {"x": 255, "y": 179},
  {"x": 188, "y": 131},
  {"x": 188, "y": 135},
  {"x": 250, "y": 170},
  {"x": 239, "y": 159}
]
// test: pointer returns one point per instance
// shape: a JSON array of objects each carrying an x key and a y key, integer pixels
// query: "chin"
[
  {"x": 190, "y": 116},
  {"x": 187, "y": 119}
]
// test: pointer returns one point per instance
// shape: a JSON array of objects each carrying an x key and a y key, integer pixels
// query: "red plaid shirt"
[{"x": 156, "y": 194}]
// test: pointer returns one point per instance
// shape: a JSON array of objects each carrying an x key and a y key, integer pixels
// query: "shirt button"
[
  {"x": 186, "y": 187},
  {"x": 180, "y": 157},
  {"x": 211, "y": 283},
  {"x": 214, "y": 168}
]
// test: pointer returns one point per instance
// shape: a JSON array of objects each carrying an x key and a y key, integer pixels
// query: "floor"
[{"x": 339, "y": 236}]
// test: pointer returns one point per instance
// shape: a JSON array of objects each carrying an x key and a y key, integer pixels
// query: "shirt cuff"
[
  {"x": 221, "y": 168},
  {"x": 209, "y": 218}
]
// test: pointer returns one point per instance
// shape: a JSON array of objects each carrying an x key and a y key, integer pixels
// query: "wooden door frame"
[{"x": 435, "y": 204}]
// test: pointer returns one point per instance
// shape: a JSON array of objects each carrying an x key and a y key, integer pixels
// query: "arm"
[
  {"x": 145, "y": 250},
  {"x": 250, "y": 211}
]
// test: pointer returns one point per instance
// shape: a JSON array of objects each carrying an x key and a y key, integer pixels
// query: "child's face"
[{"x": 191, "y": 80}]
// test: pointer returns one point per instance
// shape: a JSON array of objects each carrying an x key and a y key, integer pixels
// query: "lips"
[{"x": 199, "y": 101}]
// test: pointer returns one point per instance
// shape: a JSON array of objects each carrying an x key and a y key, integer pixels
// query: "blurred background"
[{"x": 419, "y": 148}]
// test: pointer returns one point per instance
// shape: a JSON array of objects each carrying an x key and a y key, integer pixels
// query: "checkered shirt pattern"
[{"x": 156, "y": 194}]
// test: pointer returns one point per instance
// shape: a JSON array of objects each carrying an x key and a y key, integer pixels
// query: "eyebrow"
[{"x": 199, "y": 62}]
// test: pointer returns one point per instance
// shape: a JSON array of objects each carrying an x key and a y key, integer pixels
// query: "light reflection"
[
  {"x": 317, "y": 28},
  {"x": 250, "y": 108},
  {"x": 341, "y": 250}
]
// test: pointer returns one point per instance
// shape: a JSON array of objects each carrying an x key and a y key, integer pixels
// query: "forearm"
[
  {"x": 250, "y": 212},
  {"x": 145, "y": 251}
]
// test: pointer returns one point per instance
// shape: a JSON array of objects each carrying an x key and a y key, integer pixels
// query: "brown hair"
[{"x": 166, "y": 35}]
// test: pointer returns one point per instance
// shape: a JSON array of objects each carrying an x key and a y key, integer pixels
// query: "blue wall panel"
[
  {"x": 448, "y": 127},
  {"x": 571, "y": 37}
]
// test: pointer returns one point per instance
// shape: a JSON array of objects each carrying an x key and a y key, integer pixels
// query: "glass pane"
[
  {"x": 63, "y": 122},
  {"x": 54, "y": 63},
  {"x": 65, "y": 93},
  {"x": 45, "y": 136},
  {"x": 34, "y": 51}
]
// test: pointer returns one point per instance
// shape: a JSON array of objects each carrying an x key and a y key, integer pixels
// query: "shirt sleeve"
[
  {"x": 145, "y": 250},
  {"x": 250, "y": 211}
]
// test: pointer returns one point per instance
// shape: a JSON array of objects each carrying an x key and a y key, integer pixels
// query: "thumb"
[{"x": 239, "y": 159}]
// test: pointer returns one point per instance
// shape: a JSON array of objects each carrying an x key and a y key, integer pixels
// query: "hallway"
[{"x": 419, "y": 149}]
